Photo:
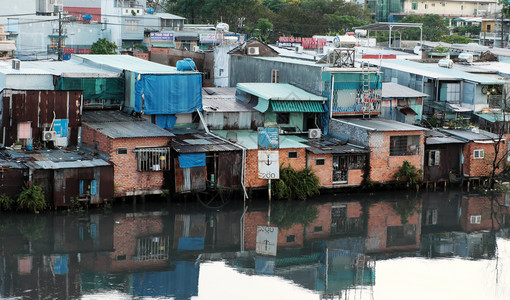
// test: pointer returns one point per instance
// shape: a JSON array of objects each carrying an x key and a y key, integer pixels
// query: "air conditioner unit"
[
  {"x": 49, "y": 136},
  {"x": 253, "y": 50},
  {"x": 314, "y": 133},
  {"x": 299, "y": 49},
  {"x": 16, "y": 64}
]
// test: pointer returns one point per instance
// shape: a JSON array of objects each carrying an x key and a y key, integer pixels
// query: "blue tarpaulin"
[
  {"x": 168, "y": 94},
  {"x": 60, "y": 265},
  {"x": 192, "y": 160},
  {"x": 164, "y": 121},
  {"x": 190, "y": 244},
  {"x": 180, "y": 283}
]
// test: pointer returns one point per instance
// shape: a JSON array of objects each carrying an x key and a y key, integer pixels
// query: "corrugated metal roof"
[
  {"x": 192, "y": 142},
  {"x": 130, "y": 63},
  {"x": 223, "y": 100},
  {"x": 433, "y": 71},
  {"x": 116, "y": 124},
  {"x": 297, "y": 106},
  {"x": 288, "y": 60},
  {"x": 329, "y": 145},
  {"x": 452, "y": 107},
  {"x": 69, "y": 68},
  {"x": 442, "y": 140},
  {"x": 469, "y": 135},
  {"x": 278, "y": 91},
  {"x": 380, "y": 124},
  {"x": 53, "y": 159},
  {"x": 395, "y": 90},
  {"x": 249, "y": 139},
  {"x": 494, "y": 117}
]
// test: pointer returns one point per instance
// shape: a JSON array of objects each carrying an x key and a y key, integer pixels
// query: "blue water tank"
[
  {"x": 87, "y": 17},
  {"x": 185, "y": 65},
  {"x": 149, "y": 10}
]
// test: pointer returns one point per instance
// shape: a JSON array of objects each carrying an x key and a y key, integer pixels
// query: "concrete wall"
[
  {"x": 254, "y": 69},
  {"x": 222, "y": 65}
]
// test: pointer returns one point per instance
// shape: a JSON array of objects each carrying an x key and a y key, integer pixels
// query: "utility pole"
[
  {"x": 502, "y": 31},
  {"x": 60, "y": 30}
]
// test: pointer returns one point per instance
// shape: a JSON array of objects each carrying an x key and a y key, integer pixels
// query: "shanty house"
[
  {"x": 401, "y": 103},
  {"x": 443, "y": 157},
  {"x": 390, "y": 143},
  {"x": 138, "y": 149}
]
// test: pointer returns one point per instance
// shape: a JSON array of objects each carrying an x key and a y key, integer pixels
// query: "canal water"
[{"x": 387, "y": 245}]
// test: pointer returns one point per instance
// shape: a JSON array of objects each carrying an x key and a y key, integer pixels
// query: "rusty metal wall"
[
  {"x": 191, "y": 180},
  {"x": 229, "y": 169},
  {"x": 40, "y": 107},
  {"x": 11, "y": 182}
]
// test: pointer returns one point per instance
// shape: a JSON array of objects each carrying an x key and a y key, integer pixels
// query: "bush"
[
  {"x": 294, "y": 184},
  {"x": 286, "y": 214},
  {"x": 32, "y": 199},
  {"x": 408, "y": 173},
  {"x": 6, "y": 202}
]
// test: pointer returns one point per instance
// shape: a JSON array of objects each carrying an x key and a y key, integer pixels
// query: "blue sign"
[
  {"x": 60, "y": 126},
  {"x": 162, "y": 36},
  {"x": 268, "y": 138}
]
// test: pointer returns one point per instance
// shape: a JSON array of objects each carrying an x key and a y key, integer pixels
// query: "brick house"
[
  {"x": 335, "y": 162},
  {"x": 477, "y": 212},
  {"x": 478, "y": 151},
  {"x": 390, "y": 143},
  {"x": 138, "y": 149}
]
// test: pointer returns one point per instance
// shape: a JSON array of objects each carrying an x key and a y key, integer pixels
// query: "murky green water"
[{"x": 448, "y": 245}]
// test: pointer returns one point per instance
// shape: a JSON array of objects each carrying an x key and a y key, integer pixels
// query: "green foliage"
[
  {"x": 287, "y": 213},
  {"x": 32, "y": 199},
  {"x": 76, "y": 206},
  {"x": 432, "y": 121},
  {"x": 456, "y": 39},
  {"x": 6, "y": 202},
  {"x": 434, "y": 27},
  {"x": 408, "y": 173},
  {"x": 141, "y": 47},
  {"x": 103, "y": 46},
  {"x": 406, "y": 208},
  {"x": 296, "y": 185},
  {"x": 263, "y": 29},
  {"x": 458, "y": 122},
  {"x": 441, "y": 49},
  {"x": 462, "y": 30},
  {"x": 32, "y": 228}
]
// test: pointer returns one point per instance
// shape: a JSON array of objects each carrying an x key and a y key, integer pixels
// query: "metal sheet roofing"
[
  {"x": 278, "y": 91},
  {"x": 53, "y": 159},
  {"x": 442, "y": 140},
  {"x": 380, "y": 124},
  {"x": 469, "y": 135},
  {"x": 395, "y": 90},
  {"x": 223, "y": 100},
  {"x": 297, "y": 106},
  {"x": 384, "y": 26},
  {"x": 130, "y": 63},
  {"x": 330, "y": 145},
  {"x": 116, "y": 124},
  {"x": 249, "y": 139},
  {"x": 192, "y": 142},
  {"x": 69, "y": 68},
  {"x": 494, "y": 117},
  {"x": 433, "y": 71}
]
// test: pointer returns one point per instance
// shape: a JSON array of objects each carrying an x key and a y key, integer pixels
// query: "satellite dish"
[{"x": 336, "y": 42}]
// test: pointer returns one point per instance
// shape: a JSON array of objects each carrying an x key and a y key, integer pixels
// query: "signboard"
[
  {"x": 268, "y": 138},
  {"x": 162, "y": 37},
  {"x": 60, "y": 126},
  {"x": 307, "y": 43},
  {"x": 211, "y": 38},
  {"x": 269, "y": 167},
  {"x": 267, "y": 237}
]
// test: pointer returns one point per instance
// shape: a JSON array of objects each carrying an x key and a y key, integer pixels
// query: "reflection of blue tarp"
[
  {"x": 60, "y": 265},
  {"x": 181, "y": 283},
  {"x": 192, "y": 160},
  {"x": 168, "y": 94},
  {"x": 190, "y": 244},
  {"x": 164, "y": 121}
]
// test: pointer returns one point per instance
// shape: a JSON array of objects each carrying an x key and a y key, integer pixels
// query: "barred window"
[
  {"x": 479, "y": 153},
  {"x": 153, "y": 159},
  {"x": 404, "y": 145},
  {"x": 152, "y": 248},
  {"x": 355, "y": 161},
  {"x": 434, "y": 158}
]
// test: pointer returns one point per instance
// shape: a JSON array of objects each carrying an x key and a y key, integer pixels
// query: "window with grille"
[
  {"x": 275, "y": 76},
  {"x": 282, "y": 118},
  {"x": 355, "y": 161},
  {"x": 293, "y": 154},
  {"x": 320, "y": 162},
  {"x": 475, "y": 219},
  {"x": 132, "y": 25},
  {"x": 478, "y": 154},
  {"x": 433, "y": 158},
  {"x": 415, "y": 5},
  {"x": 153, "y": 159},
  {"x": 122, "y": 151},
  {"x": 404, "y": 145},
  {"x": 152, "y": 248}
]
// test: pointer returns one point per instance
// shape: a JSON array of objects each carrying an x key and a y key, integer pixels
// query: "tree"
[
  {"x": 103, "y": 46},
  {"x": 409, "y": 173},
  {"x": 434, "y": 27},
  {"x": 296, "y": 185},
  {"x": 32, "y": 199},
  {"x": 456, "y": 39},
  {"x": 264, "y": 28}
]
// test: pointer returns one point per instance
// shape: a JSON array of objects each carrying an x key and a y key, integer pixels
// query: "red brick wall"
[
  {"x": 325, "y": 172},
  {"x": 126, "y": 176},
  {"x": 253, "y": 219},
  {"x": 324, "y": 220},
  {"x": 355, "y": 177},
  {"x": 382, "y": 215},
  {"x": 382, "y": 165},
  {"x": 141, "y": 55},
  {"x": 480, "y": 166},
  {"x": 252, "y": 173},
  {"x": 155, "y": 50},
  {"x": 481, "y": 206}
]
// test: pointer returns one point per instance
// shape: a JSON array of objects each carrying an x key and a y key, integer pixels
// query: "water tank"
[
  {"x": 360, "y": 32},
  {"x": 446, "y": 63},
  {"x": 222, "y": 27},
  {"x": 467, "y": 57},
  {"x": 186, "y": 64},
  {"x": 87, "y": 17},
  {"x": 149, "y": 10}
]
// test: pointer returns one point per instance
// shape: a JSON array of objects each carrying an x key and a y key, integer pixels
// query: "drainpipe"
[{"x": 332, "y": 95}]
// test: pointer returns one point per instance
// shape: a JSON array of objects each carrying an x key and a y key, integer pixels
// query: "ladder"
[{"x": 365, "y": 90}]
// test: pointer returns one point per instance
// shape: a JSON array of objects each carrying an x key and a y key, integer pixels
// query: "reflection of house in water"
[{"x": 468, "y": 245}]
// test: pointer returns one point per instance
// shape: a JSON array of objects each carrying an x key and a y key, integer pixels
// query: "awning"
[
  {"x": 407, "y": 111},
  {"x": 297, "y": 106},
  {"x": 192, "y": 160},
  {"x": 7, "y": 47},
  {"x": 493, "y": 117}
]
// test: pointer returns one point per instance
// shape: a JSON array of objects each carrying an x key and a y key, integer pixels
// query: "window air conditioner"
[
  {"x": 253, "y": 50},
  {"x": 49, "y": 136},
  {"x": 314, "y": 133}
]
